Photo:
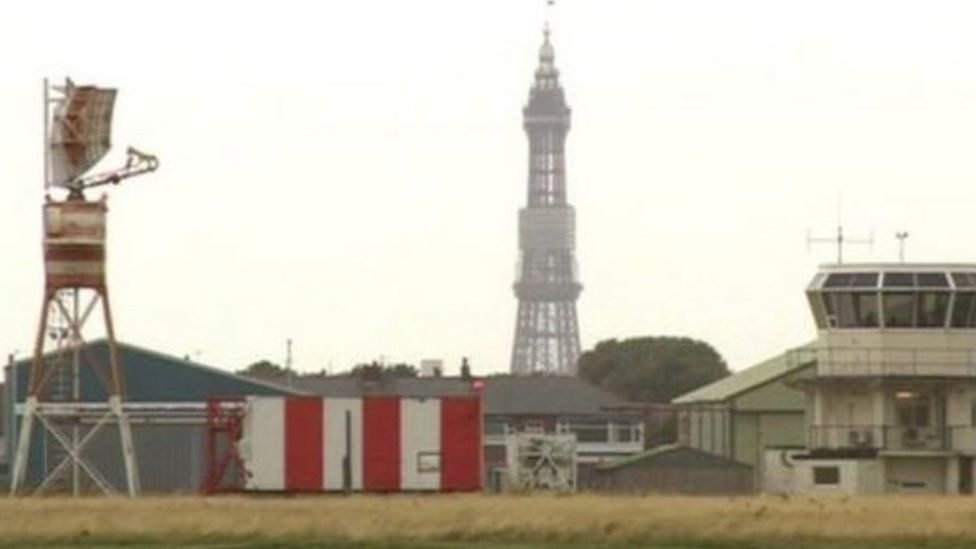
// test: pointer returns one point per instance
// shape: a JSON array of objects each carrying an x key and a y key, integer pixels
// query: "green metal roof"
[
  {"x": 151, "y": 376},
  {"x": 675, "y": 454},
  {"x": 744, "y": 380}
]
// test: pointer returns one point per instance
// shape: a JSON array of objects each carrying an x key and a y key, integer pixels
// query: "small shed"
[{"x": 674, "y": 469}]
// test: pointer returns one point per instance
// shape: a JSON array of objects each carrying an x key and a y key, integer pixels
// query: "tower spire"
[{"x": 546, "y": 76}]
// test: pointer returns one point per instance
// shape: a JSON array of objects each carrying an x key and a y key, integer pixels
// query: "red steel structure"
[
  {"x": 77, "y": 130},
  {"x": 372, "y": 443},
  {"x": 225, "y": 469}
]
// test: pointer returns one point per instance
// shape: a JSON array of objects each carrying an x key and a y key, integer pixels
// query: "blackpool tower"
[{"x": 546, "y": 329}]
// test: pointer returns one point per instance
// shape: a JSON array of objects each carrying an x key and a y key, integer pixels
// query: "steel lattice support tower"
[{"x": 546, "y": 327}]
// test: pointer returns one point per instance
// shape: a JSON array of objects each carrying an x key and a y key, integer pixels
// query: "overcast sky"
[{"x": 348, "y": 174}]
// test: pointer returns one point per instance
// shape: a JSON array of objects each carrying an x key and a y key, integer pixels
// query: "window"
[
  {"x": 932, "y": 309},
  {"x": 853, "y": 309},
  {"x": 899, "y": 308},
  {"x": 592, "y": 432},
  {"x": 838, "y": 280},
  {"x": 912, "y": 409},
  {"x": 964, "y": 280},
  {"x": 624, "y": 432},
  {"x": 899, "y": 280},
  {"x": 963, "y": 310},
  {"x": 932, "y": 280},
  {"x": 826, "y": 476},
  {"x": 864, "y": 280},
  {"x": 851, "y": 280},
  {"x": 428, "y": 462},
  {"x": 495, "y": 427}
]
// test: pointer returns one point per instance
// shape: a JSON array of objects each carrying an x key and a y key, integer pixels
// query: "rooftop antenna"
[
  {"x": 839, "y": 239},
  {"x": 902, "y": 236},
  {"x": 288, "y": 362}
]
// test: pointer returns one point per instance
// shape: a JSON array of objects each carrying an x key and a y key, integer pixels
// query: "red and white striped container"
[
  {"x": 392, "y": 443},
  {"x": 74, "y": 244}
]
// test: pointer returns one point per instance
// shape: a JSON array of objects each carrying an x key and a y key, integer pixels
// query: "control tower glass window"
[
  {"x": 964, "y": 310},
  {"x": 899, "y": 309},
  {"x": 895, "y": 299},
  {"x": 932, "y": 308}
]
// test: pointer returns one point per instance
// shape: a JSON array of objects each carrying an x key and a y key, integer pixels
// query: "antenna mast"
[
  {"x": 901, "y": 236},
  {"x": 839, "y": 239}
]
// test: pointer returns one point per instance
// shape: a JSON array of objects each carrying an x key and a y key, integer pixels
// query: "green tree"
[
  {"x": 263, "y": 369},
  {"x": 652, "y": 369}
]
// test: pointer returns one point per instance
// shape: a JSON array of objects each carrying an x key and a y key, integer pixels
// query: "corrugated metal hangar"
[{"x": 171, "y": 453}]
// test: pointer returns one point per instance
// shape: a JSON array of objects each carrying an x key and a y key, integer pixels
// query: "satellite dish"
[{"x": 81, "y": 132}]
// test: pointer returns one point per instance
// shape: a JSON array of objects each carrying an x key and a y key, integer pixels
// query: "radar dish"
[{"x": 80, "y": 132}]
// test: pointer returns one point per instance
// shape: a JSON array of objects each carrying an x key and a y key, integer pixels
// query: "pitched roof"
[
  {"x": 504, "y": 395},
  {"x": 416, "y": 387},
  {"x": 747, "y": 379},
  {"x": 672, "y": 455},
  {"x": 546, "y": 395},
  {"x": 151, "y": 376}
]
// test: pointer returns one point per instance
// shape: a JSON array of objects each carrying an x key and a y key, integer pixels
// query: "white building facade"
[{"x": 891, "y": 404}]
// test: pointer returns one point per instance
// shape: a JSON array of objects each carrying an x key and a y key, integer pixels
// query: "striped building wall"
[{"x": 379, "y": 444}]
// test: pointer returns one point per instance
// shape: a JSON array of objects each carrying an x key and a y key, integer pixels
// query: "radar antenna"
[{"x": 77, "y": 135}]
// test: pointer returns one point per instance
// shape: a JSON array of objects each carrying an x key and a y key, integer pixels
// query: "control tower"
[{"x": 892, "y": 390}]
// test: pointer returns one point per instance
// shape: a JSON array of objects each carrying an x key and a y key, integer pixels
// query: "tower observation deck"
[{"x": 546, "y": 327}]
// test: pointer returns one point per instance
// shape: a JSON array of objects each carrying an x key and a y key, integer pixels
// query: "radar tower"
[{"x": 77, "y": 135}]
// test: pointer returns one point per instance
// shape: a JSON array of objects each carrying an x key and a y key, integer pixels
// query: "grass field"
[{"x": 448, "y": 521}]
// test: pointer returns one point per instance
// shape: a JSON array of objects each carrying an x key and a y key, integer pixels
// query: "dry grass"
[{"x": 581, "y": 519}]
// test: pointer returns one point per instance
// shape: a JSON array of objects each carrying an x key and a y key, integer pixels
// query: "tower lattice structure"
[{"x": 546, "y": 325}]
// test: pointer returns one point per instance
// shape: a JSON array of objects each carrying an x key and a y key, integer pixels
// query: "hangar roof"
[{"x": 748, "y": 379}]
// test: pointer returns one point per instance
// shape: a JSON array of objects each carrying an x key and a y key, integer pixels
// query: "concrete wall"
[{"x": 855, "y": 476}]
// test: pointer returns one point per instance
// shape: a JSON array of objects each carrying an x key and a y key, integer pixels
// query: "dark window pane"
[
  {"x": 838, "y": 280},
  {"x": 816, "y": 306},
  {"x": 922, "y": 413},
  {"x": 826, "y": 475},
  {"x": 932, "y": 309},
  {"x": 912, "y": 409},
  {"x": 932, "y": 280},
  {"x": 899, "y": 280},
  {"x": 963, "y": 280},
  {"x": 864, "y": 280},
  {"x": 866, "y": 309},
  {"x": 846, "y": 311},
  {"x": 962, "y": 309},
  {"x": 830, "y": 307},
  {"x": 899, "y": 308}
]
